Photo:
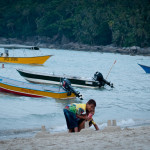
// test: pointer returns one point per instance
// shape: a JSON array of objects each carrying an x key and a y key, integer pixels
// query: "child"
[
  {"x": 91, "y": 121},
  {"x": 74, "y": 113}
]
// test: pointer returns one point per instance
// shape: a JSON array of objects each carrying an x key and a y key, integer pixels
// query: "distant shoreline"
[
  {"x": 45, "y": 43},
  {"x": 134, "y": 50}
]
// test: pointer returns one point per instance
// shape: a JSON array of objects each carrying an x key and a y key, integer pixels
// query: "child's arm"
[
  {"x": 96, "y": 126},
  {"x": 82, "y": 117}
]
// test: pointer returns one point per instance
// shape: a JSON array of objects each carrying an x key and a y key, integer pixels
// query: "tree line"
[{"x": 93, "y": 22}]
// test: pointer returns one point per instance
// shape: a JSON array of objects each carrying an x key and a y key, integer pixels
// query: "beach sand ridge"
[{"x": 110, "y": 138}]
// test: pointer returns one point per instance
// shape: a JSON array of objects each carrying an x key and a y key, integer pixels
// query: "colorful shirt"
[{"x": 76, "y": 108}]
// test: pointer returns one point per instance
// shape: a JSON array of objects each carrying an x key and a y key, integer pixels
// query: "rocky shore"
[{"x": 45, "y": 42}]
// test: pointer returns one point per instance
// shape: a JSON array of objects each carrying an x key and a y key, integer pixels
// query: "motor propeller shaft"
[{"x": 66, "y": 84}]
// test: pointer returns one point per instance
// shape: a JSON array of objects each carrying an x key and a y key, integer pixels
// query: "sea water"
[{"x": 128, "y": 102}]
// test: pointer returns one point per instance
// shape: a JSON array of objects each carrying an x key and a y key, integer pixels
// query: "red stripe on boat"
[{"x": 18, "y": 93}]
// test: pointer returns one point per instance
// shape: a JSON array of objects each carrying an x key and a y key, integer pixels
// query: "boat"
[
  {"x": 34, "y": 90},
  {"x": 145, "y": 68},
  {"x": 18, "y": 46},
  {"x": 39, "y": 60},
  {"x": 43, "y": 78}
]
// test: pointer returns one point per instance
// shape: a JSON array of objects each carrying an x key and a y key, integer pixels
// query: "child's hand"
[
  {"x": 90, "y": 115},
  {"x": 86, "y": 118}
]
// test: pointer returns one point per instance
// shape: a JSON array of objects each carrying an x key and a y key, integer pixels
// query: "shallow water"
[{"x": 128, "y": 102}]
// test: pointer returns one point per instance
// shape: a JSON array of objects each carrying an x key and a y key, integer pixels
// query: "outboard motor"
[
  {"x": 66, "y": 84},
  {"x": 99, "y": 77}
]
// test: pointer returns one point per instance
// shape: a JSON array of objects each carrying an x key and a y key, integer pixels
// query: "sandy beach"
[{"x": 109, "y": 138}]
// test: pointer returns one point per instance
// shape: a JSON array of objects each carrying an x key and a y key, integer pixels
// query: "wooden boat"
[
  {"x": 18, "y": 46},
  {"x": 25, "y": 60},
  {"x": 145, "y": 68},
  {"x": 36, "y": 77},
  {"x": 33, "y": 90}
]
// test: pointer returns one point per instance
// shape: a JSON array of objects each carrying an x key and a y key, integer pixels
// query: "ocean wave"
[
  {"x": 58, "y": 129},
  {"x": 14, "y": 133},
  {"x": 48, "y": 115},
  {"x": 129, "y": 123},
  {"x": 31, "y": 116},
  {"x": 122, "y": 123}
]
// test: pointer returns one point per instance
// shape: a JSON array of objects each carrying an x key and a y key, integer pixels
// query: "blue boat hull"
[{"x": 145, "y": 68}]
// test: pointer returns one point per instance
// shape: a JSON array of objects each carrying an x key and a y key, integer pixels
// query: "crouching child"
[{"x": 75, "y": 112}]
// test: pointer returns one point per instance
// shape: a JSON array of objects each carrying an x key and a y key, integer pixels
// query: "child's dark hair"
[{"x": 92, "y": 101}]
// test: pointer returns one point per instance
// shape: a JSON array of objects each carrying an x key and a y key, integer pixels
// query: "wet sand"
[{"x": 109, "y": 138}]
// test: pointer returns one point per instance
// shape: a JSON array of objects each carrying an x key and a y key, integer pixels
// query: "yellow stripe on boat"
[
  {"x": 35, "y": 93},
  {"x": 25, "y": 60}
]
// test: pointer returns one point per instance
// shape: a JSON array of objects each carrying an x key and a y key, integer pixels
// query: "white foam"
[
  {"x": 122, "y": 123},
  {"x": 128, "y": 122},
  {"x": 59, "y": 129}
]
